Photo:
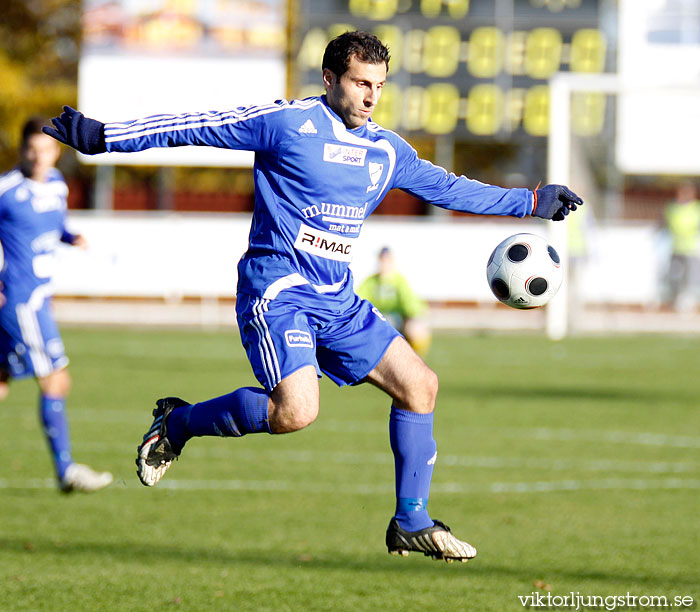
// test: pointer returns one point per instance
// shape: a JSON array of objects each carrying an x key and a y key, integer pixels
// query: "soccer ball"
[{"x": 524, "y": 271}]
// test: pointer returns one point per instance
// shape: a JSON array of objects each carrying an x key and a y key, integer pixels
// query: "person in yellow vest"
[
  {"x": 683, "y": 223},
  {"x": 393, "y": 296}
]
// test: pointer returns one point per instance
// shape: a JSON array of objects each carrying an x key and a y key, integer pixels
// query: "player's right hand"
[
  {"x": 76, "y": 130},
  {"x": 554, "y": 202}
]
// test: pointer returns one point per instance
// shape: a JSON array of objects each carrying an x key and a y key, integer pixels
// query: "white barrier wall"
[{"x": 172, "y": 255}]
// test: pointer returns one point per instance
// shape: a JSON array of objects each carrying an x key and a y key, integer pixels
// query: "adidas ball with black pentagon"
[{"x": 524, "y": 271}]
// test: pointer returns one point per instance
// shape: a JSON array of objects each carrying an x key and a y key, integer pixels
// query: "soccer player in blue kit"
[
  {"x": 321, "y": 167},
  {"x": 32, "y": 222}
]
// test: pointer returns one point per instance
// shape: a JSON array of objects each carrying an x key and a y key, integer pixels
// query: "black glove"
[
  {"x": 76, "y": 130},
  {"x": 555, "y": 202}
]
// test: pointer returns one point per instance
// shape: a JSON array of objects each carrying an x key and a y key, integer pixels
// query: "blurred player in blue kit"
[
  {"x": 32, "y": 223},
  {"x": 321, "y": 168}
]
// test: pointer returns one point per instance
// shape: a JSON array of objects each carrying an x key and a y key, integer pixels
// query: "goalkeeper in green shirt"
[{"x": 391, "y": 293}]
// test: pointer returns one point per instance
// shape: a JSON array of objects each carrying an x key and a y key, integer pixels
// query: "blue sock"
[
  {"x": 415, "y": 451},
  {"x": 52, "y": 411},
  {"x": 242, "y": 412}
]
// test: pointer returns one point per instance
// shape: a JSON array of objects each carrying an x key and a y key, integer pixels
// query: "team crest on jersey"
[
  {"x": 298, "y": 338},
  {"x": 375, "y": 173},
  {"x": 342, "y": 154}
]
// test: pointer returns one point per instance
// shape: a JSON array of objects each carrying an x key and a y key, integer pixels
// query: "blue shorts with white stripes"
[
  {"x": 30, "y": 343},
  {"x": 282, "y": 337}
]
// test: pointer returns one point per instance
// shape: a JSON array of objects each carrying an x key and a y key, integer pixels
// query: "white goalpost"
[
  {"x": 657, "y": 140},
  {"x": 559, "y": 172}
]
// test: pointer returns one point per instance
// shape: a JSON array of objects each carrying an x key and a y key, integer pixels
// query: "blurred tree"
[{"x": 39, "y": 52}]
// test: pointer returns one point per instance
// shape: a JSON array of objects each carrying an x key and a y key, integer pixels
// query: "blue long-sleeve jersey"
[
  {"x": 32, "y": 223},
  {"x": 315, "y": 183}
]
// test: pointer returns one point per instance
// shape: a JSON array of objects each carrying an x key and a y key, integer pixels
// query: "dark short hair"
[
  {"x": 31, "y": 127},
  {"x": 364, "y": 46}
]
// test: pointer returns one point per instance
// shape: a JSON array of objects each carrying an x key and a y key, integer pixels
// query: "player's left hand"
[
  {"x": 554, "y": 202},
  {"x": 80, "y": 242},
  {"x": 76, "y": 130}
]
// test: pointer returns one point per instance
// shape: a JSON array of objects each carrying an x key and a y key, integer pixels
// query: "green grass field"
[{"x": 570, "y": 464}]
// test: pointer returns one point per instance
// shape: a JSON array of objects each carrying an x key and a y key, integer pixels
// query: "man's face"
[
  {"x": 354, "y": 95},
  {"x": 38, "y": 155},
  {"x": 386, "y": 263}
]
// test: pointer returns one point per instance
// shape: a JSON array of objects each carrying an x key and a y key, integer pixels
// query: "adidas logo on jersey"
[{"x": 308, "y": 128}]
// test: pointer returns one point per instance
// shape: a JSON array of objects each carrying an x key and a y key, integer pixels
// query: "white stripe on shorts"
[
  {"x": 31, "y": 336},
  {"x": 268, "y": 354}
]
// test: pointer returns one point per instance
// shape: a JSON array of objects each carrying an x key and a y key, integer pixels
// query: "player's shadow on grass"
[
  {"x": 324, "y": 561},
  {"x": 518, "y": 393}
]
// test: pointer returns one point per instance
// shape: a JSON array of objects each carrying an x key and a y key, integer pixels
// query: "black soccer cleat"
[
  {"x": 155, "y": 453},
  {"x": 436, "y": 542}
]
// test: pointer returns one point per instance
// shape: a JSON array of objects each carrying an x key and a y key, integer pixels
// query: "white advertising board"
[
  {"x": 658, "y": 118},
  {"x": 175, "y": 255},
  {"x": 146, "y": 57}
]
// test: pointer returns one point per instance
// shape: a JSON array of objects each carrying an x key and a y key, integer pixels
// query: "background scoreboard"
[{"x": 469, "y": 69}]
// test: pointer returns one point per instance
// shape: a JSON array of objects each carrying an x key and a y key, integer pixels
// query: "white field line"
[
  {"x": 364, "y": 427},
  {"x": 636, "y": 484},
  {"x": 615, "y": 437},
  {"x": 459, "y": 461},
  {"x": 538, "y": 433},
  {"x": 446, "y": 487},
  {"x": 227, "y": 451}
]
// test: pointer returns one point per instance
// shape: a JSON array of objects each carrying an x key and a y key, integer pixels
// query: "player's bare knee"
[
  {"x": 290, "y": 418},
  {"x": 425, "y": 392},
  {"x": 294, "y": 401},
  {"x": 299, "y": 421},
  {"x": 431, "y": 386},
  {"x": 56, "y": 384},
  {"x": 420, "y": 395},
  {"x": 289, "y": 423},
  {"x": 4, "y": 390}
]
